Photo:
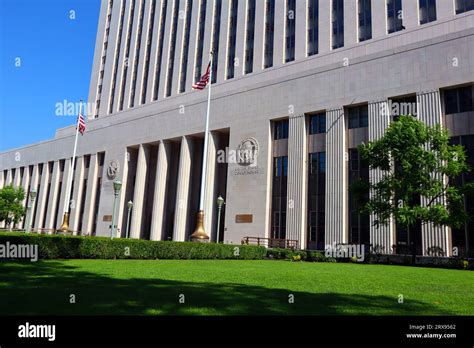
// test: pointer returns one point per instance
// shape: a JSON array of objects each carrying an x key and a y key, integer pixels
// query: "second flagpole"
[
  {"x": 199, "y": 233},
  {"x": 65, "y": 226}
]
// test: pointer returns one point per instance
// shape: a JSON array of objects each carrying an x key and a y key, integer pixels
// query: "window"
[
  {"x": 317, "y": 123},
  {"x": 184, "y": 57},
  {"x": 463, "y": 238},
  {"x": 427, "y": 11},
  {"x": 337, "y": 23},
  {"x": 358, "y": 116},
  {"x": 316, "y": 200},
  {"x": 365, "y": 20},
  {"x": 403, "y": 106},
  {"x": 359, "y": 224},
  {"x": 249, "y": 37},
  {"x": 215, "y": 38},
  {"x": 164, "y": 6},
  {"x": 200, "y": 42},
  {"x": 290, "y": 30},
  {"x": 313, "y": 27},
  {"x": 232, "y": 39},
  {"x": 458, "y": 100},
  {"x": 137, "y": 54},
  {"x": 127, "y": 52},
  {"x": 464, "y": 6},
  {"x": 281, "y": 130},
  {"x": 269, "y": 33},
  {"x": 279, "y": 197},
  {"x": 174, "y": 29},
  {"x": 394, "y": 16}
]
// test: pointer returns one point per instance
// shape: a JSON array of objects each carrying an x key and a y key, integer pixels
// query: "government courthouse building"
[{"x": 297, "y": 84}]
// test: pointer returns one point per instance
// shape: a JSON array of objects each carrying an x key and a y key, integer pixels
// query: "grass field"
[{"x": 134, "y": 287}]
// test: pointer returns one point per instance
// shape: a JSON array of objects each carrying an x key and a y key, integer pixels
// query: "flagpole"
[
  {"x": 65, "y": 225},
  {"x": 199, "y": 233}
]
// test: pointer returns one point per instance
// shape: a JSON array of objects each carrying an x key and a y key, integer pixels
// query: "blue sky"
[{"x": 56, "y": 54}]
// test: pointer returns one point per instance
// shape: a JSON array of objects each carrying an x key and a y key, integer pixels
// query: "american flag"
[
  {"x": 202, "y": 83},
  {"x": 81, "y": 124}
]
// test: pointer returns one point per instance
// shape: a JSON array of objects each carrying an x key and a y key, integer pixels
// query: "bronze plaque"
[
  {"x": 244, "y": 219},
  {"x": 107, "y": 218}
]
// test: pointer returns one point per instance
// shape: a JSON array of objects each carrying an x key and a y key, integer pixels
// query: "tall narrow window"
[
  {"x": 316, "y": 200},
  {"x": 234, "y": 8},
  {"x": 215, "y": 38},
  {"x": 279, "y": 197},
  {"x": 127, "y": 52},
  {"x": 200, "y": 41},
  {"x": 464, "y": 6},
  {"x": 290, "y": 30},
  {"x": 427, "y": 11},
  {"x": 184, "y": 56},
  {"x": 337, "y": 23},
  {"x": 459, "y": 100},
  {"x": 394, "y": 16},
  {"x": 117, "y": 55},
  {"x": 159, "y": 53},
  {"x": 365, "y": 20},
  {"x": 174, "y": 29},
  {"x": 359, "y": 224},
  {"x": 313, "y": 27},
  {"x": 149, "y": 41},
  {"x": 249, "y": 36},
  {"x": 358, "y": 116},
  {"x": 317, "y": 123},
  {"x": 269, "y": 33},
  {"x": 138, "y": 42}
]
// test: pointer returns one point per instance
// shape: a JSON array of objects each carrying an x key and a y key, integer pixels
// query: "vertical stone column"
[
  {"x": 192, "y": 50},
  {"x": 210, "y": 189},
  {"x": 67, "y": 172},
  {"x": 17, "y": 184},
  {"x": 240, "y": 40},
  {"x": 351, "y": 23},
  {"x": 444, "y": 9},
  {"x": 379, "y": 21},
  {"x": 259, "y": 37},
  {"x": 90, "y": 195},
  {"x": 158, "y": 215},
  {"x": 223, "y": 38},
  {"x": 25, "y": 182},
  {"x": 410, "y": 13},
  {"x": 139, "y": 192},
  {"x": 297, "y": 180},
  {"x": 325, "y": 33},
  {"x": 279, "y": 32},
  {"x": 154, "y": 62},
  {"x": 336, "y": 178},
  {"x": 42, "y": 197},
  {"x": 50, "y": 223},
  {"x": 9, "y": 180},
  {"x": 379, "y": 120},
  {"x": 33, "y": 187},
  {"x": 2, "y": 185},
  {"x": 183, "y": 190},
  {"x": 77, "y": 195},
  {"x": 301, "y": 29},
  {"x": 178, "y": 52},
  {"x": 429, "y": 111},
  {"x": 166, "y": 50}
]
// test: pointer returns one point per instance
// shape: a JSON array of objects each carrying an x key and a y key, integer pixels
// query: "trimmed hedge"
[
  {"x": 305, "y": 255},
  {"x": 77, "y": 247}
]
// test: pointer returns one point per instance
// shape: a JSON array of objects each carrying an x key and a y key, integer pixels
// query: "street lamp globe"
[
  {"x": 33, "y": 194},
  {"x": 117, "y": 186},
  {"x": 130, "y": 205},
  {"x": 220, "y": 202}
]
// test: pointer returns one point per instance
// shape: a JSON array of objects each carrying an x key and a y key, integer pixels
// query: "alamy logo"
[
  {"x": 346, "y": 251},
  {"x": 37, "y": 331},
  {"x": 19, "y": 251}
]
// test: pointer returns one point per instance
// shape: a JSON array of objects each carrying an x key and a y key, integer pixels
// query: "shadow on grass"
[{"x": 45, "y": 288}]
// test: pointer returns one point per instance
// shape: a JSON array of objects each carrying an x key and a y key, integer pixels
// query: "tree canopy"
[{"x": 11, "y": 204}]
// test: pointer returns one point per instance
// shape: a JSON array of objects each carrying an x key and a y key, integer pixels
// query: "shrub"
[
  {"x": 69, "y": 247},
  {"x": 304, "y": 255}
]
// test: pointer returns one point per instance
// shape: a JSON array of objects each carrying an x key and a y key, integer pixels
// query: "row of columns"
[
  {"x": 183, "y": 214},
  {"x": 115, "y": 80},
  {"x": 48, "y": 202},
  {"x": 337, "y": 230}
]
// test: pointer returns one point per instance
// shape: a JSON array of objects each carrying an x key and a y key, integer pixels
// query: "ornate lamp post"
[
  {"x": 129, "y": 206},
  {"x": 220, "y": 203},
  {"x": 117, "y": 187},
  {"x": 28, "y": 212}
]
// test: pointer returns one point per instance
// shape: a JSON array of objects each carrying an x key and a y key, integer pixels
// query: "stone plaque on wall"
[
  {"x": 107, "y": 218},
  {"x": 244, "y": 219}
]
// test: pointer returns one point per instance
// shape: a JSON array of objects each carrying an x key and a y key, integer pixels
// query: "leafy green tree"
[
  {"x": 418, "y": 168},
  {"x": 11, "y": 204}
]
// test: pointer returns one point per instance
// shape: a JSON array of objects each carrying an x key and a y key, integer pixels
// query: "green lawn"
[{"x": 138, "y": 287}]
